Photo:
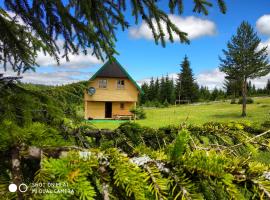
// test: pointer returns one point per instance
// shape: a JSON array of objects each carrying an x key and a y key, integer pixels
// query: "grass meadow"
[{"x": 198, "y": 114}]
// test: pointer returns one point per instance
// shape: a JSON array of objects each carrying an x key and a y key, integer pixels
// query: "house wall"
[
  {"x": 112, "y": 93},
  {"x": 116, "y": 110},
  {"x": 96, "y": 109}
]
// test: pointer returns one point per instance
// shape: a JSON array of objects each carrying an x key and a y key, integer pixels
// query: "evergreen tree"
[
  {"x": 187, "y": 86},
  {"x": 204, "y": 93},
  {"x": 144, "y": 96},
  {"x": 249, "y": 88},
  {"x": 169, "y": 85},
  {"x": 233, "y": 87},
  {"x": 244, "y": 60},
  {"x": 228, "y": 86},
  {"x": 178, "y": 87},
  {"x": 267, "y": 88},
  {"x": 172, "y": 93},
  {"x": 168, "y": 88},
  {"x": 254, "y": 91},
  {"x": 157, "y": 89},
  {"x": 81, "y": 25},
  {"x": 196, "y": 92},
  {"x": 163, "y": 90},
  {"x": 151, "y": 90},
  {"x": 214, "y": 94}
]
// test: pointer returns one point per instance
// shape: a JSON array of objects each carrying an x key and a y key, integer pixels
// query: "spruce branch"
[
  {"x": 84, "y": 26},
  {"x": 248, "y": 140}
]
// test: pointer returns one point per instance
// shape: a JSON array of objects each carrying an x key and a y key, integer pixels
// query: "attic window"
[
  {"x": 120, "y": 84},
  {"x": 102, "y": 83}
]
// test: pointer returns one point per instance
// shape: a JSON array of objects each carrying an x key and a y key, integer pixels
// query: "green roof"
[{"x": 112, "y": 68}]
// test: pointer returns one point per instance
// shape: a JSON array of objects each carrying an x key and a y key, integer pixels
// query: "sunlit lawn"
[{"x": 199, "y": 114}]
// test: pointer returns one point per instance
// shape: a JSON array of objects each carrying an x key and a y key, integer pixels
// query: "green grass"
[{"x": 199, "y": 114}]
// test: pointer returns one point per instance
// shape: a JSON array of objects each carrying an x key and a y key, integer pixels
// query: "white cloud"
[
  {"x": 49, "y": 73},
  {"x": 263, "y": 24},
  {"x": 211, "y": 79},
  {"x": 194, "y": 26},
  {"x": 215, "y": 78},
  {"x": 264, "y": 44},
  {"x": 75, "y": 61},
  {"x": 51, "y": 78},
  {"x": 261, "y": 82}
]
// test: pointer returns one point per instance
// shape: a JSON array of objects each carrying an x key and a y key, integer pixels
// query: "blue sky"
[{"x": 143, "y": 58}]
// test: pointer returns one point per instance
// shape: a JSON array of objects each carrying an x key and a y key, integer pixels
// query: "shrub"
[
  {"x": 166, "y": 103},
  {"x": 157, "y": 104},
  {"x": 233, "y": 101},
  {"x": 138, "y": 112},
  {"x": 266, "y": 124},
  {"x": 249, "y": 101},
  {"x": 153, "y": 104}
]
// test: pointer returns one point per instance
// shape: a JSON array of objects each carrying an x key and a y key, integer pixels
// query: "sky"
[{"x": 143, "y": 59}]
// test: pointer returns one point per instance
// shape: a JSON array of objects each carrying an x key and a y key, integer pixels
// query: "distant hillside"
[
  {"x": 25, "y": 103},
  {"x": 66, "y": 94}
]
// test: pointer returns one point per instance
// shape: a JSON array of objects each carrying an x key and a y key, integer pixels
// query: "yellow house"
[{"x": 111, "y": 93}]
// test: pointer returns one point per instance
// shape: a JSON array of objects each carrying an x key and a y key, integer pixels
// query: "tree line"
[
  {"x": 185, "y": 89},
  {"x": 242, "y": 61}
]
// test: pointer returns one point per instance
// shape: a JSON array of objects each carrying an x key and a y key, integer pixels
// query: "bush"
[
  {"x": 266, "y": 124},
  {"x": 233, "y": 101},
  {"x": 138, "y": 112},
  {"x": 249, "y": 101},
  {"x": 153, "y": 104},
  {"x": 166, "y": 103}
]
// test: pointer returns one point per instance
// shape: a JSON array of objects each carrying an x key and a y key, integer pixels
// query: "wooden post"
[{"x": 135, "y": 112}]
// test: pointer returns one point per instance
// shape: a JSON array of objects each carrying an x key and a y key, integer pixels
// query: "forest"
[{"x": 164, "y": 91}]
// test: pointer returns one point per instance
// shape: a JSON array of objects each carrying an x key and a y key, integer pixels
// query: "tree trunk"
[
  {"x": 244, "y": 98},
  {"x": 16, "y": 169}
]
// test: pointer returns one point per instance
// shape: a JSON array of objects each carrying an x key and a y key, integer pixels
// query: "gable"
[{"x": 113, "y": 69}]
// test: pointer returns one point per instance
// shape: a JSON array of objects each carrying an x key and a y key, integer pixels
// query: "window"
[
  {"x": 102, "y": 83},
  {"x": 120, "y": 84},
  {"x": 122, "y": 106}
]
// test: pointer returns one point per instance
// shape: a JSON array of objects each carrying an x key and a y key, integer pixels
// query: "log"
[
  {"x": 55, "y": 152},
  {"x": 97, "y": 134}
]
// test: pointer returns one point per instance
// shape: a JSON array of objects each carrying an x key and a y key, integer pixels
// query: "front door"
[{"x": 108, "y": 109}]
